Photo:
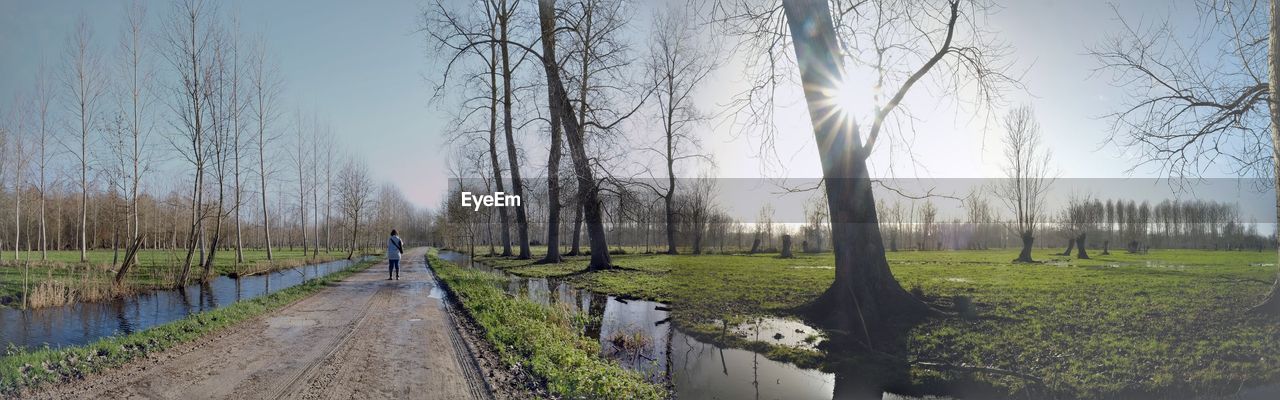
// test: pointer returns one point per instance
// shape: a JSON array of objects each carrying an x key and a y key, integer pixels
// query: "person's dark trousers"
[{"x": 393, "y": 267}]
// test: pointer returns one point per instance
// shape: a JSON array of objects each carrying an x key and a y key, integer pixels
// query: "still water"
[
  {"x": 695, "y": 369},
  {"x": 82, "y": 323}
]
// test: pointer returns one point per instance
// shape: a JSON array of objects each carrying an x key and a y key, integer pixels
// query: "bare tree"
[
  {"x": 329, "y": 147},
  {"x": 322, "y": 135},
  {"x": 301, "y": 158},
  {"x": 1198, "y": 97},
  {"x": 928, "y": 226},
  {"x": 10, "y": 125},
  {"x": 554, "y": 156},
  {"x": 980, "y": 218},
  {"x": 504, "y": 11},
  {"x": 189, "y": 39},
  {"x": 133, "y": 100},
  {"x": 222, "y": 99},
  {"x": 588, "y": 193},
  {"x": 236, "y": 106},
  {"x": 85, "y": 83},
  {"x": 896, "y": 44},
  {"x": 468, "y": 36},
  {"x": 1027, "y": 175},
  {"x": 265, "y": 87},
  {"x": 19, "y": 145},
  {"x": 677, "y": 65},
  {"x": 355, "y": 192},
  {"x": 44, "y": 96}
]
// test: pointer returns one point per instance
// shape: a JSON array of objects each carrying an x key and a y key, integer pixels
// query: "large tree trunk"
[
  {"x": 671, "y": 219},
  {"x": 553, "y": 170},
  {"x": 865, "y": 294},
  {"x": 575, "y": 247},
  {"x": 522, "y": 222},
  {"x": 1271, "y": 305},
  {"x": 238, "y": 202},
  {"x": 1071, "y": 245},
  {"x": 587, "y": 192},
  {"x": 493, "y": 150},
  {"x": 1081, "y": 253},
  {"x": 262, "y": 176},
  {"x": 1025, "y": 255}
]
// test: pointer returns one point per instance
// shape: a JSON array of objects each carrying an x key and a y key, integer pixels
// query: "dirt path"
[{"x": 366, "y": 337}]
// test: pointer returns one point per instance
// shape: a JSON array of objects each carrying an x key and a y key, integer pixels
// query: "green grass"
[
  {"x": 544, "y": 340},
  {"x": 1168, "y": 323},
  {"x": 154, "y": 268},
  {"x": 22, "y": 369}
]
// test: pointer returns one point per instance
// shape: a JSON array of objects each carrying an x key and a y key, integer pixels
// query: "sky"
[{"x": 363, "y": 67}]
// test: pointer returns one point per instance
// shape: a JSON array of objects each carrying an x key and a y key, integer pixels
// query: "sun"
[{"x": 856, "y": 95}]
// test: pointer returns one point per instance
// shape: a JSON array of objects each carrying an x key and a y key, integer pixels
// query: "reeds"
[{"x": 65, "y": 284}]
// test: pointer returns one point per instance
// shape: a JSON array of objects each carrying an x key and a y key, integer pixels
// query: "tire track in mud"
[{"x": 284, "y": 390}]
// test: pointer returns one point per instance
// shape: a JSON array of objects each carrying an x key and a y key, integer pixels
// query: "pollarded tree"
[
  {"x": 895, "y": 44},
  {"x": 1027, "y": 176},
  {"x": 1208, "y": 93},
  {"x": 1082, "y": 216}
]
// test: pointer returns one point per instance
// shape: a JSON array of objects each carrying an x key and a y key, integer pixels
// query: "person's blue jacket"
[{"x": 394, "y": 244}]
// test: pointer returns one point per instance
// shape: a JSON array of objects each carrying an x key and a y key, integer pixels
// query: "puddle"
[
  {"x": 638, "y": 335},
  {"x": 779, "y": 331}
]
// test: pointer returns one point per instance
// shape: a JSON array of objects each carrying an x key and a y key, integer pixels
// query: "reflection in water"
[
  {"x": 82, "y": 323},
  {"x": 694, "y": 369},
  {"x": 638, "y": 334}
]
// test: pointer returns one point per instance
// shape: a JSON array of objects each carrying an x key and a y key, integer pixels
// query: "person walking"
[{"x": 395, "y": 247}]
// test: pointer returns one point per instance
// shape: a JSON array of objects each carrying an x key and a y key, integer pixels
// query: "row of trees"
[
  {"x": 586, "y": 82},
  {"x": 946, "y": 47},
  {"x": 175, "y": 137}
]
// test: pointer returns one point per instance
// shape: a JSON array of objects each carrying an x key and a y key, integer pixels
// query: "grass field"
[
  {"x": 154, "y": 268},
  {"x": 1168, "y": 323}
]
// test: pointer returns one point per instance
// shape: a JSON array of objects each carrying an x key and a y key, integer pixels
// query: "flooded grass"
[
  {"x": 22, "y": 370},
  {"x": 1167, "y": 323},
  {"x": 63, "y": 280},
  {"x": 547, "y": 341}
]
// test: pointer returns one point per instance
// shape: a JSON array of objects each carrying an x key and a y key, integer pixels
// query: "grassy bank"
[
  {"x": 21, "y": 370},
  {"x": 63, "y": 279},
  {"x": 1168, "y": 323},
  {"x": 545, "y": 340}
]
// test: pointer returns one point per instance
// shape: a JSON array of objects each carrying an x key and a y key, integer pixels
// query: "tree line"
[
  {"x": 589, "y": 98},
  {"x": 176, "y": 137}
]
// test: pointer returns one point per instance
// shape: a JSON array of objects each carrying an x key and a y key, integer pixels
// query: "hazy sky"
[
  {"x": 361, "y": 66},
  {"x": 358, "y": 65}
]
